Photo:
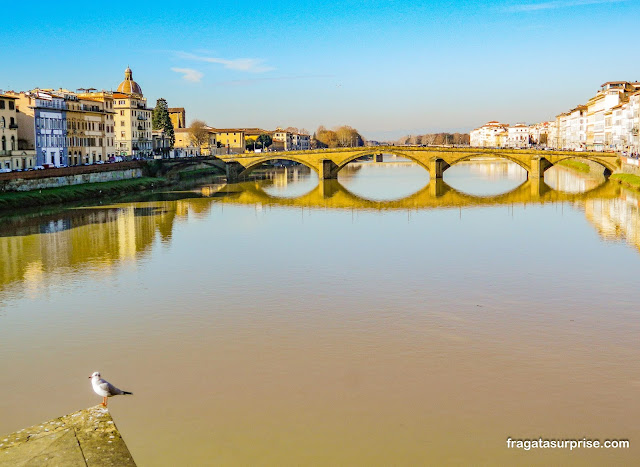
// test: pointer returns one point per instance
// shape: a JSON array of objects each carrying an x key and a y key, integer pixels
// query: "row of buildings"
[
  {"x": 231, "y": 140},
  {"x": 46, "y": 127},
  {"x": 53, "y": 128},
  {"x": 609, "y": 121}
]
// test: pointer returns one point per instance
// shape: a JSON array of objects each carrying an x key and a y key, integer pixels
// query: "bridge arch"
[
  {"x": 279, "y": 156},
  {"x": 608, "y": 168},
  {"x": 497, "y": 155},
  {"x": 373, "y": 152}
]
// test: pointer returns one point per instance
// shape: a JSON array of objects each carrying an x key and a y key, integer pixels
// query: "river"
[{"x": 377, "y": 320}]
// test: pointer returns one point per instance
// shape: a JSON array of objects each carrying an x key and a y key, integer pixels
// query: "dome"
[{"x": 129, "y": 86}]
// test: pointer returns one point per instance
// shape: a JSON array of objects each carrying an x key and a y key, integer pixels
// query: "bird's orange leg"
[{"x": 104, "y": 401}]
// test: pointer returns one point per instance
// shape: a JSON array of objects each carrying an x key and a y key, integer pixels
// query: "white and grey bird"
[{"x": 105, "y": 388}]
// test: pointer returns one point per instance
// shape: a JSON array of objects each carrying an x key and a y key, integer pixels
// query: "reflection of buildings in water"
[
  {"x": 562, "y": 179},
  {"x": 95, "y": 238},
  {"x": 615, "y": 219},
  {"x": 496, "y": 169},
  {"x": 281, "y": 178}
]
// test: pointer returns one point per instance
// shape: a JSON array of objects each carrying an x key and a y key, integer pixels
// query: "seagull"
[{"x": 105, "y": 388}]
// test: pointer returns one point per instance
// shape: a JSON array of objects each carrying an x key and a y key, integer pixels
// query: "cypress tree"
[{"x": 160, "y": 120}]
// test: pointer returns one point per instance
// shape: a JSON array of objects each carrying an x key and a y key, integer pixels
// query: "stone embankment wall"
[
  {"x": 630, "y": 166},
  {"x": 84, "y": 438},
  {"x": 54, "y": 178}
]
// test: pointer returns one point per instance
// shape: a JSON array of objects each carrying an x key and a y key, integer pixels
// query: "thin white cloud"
[
  {"x": 248, "y": 82},
  {"x": 553, "y": 5},
  {"x": 250, "y": 65},
  {"x": 189, "y": 74}
]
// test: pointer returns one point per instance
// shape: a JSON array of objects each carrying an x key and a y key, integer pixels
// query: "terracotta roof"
[{"x": 7, "y": 96}]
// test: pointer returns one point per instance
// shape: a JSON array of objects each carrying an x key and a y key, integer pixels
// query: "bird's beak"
[{"x": 90, "y": 376}]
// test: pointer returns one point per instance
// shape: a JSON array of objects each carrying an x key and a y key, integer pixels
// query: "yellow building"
[
  {"x": 89, "y": 127},
  {"x": 8, "y": 130},
  {"x": 233, "y": 139},
  {"x": 132, "y": 119},
  {"x": 105, "y": 125},
  {"x": 185, "y": 145},
  {"x": 178, "y": 117}
]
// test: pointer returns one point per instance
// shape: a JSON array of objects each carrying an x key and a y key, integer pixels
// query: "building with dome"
[{"x": 132, "y": 119}]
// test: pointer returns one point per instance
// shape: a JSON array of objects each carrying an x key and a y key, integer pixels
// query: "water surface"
[{"x": 382, "y": 319}]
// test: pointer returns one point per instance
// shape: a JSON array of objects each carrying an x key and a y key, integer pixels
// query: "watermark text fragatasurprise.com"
[{"x": 570, "y": 444}]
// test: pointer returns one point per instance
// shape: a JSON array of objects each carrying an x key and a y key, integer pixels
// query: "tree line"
[
  {"x": 436, "y": 139},
  {"x": 339, "y": 137}
]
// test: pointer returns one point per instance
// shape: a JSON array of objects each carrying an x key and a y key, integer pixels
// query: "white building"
[
  {"x": 490, "y": 135},
  {"x": 518, "y": 136},
  {"x": 576, "y": 129},
  {"x": 634, "y": 110},
  {"x": 300, "y": 142}
]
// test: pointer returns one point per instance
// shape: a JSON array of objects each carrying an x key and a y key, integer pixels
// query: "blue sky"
[{"x": 387, "y": 68}]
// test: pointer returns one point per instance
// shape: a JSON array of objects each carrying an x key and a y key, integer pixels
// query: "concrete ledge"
[{"x": 88, "y": 437}]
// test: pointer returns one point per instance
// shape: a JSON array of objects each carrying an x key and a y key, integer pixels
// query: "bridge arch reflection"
[{"x": 437, "y": 194}]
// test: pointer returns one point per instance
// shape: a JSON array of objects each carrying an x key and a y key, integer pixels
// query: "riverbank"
[
  {"x": 628, "y": 180},
  {"x": 575, "y": 165},
  {"x": 52, "y": 196}
]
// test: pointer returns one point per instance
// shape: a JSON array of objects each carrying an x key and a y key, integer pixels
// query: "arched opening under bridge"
[
  {"x": 383, "y": 177},
  {"x": 576, "y": 175}
]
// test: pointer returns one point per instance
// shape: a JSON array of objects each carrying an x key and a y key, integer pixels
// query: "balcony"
[
  {"x": 142, "y": 117},
  {"x": 13, "y": 126},
  {"x": 140, "y": 127}
]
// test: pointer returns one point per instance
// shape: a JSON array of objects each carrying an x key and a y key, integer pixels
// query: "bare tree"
[{"x": 198, "y": 133}]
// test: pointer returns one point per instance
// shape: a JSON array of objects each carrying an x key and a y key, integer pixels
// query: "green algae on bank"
[
  {"x": 630, "y": 180},
  {"x": 575, "y": 165},
  {"x": 50, "y": 196},
  {"x": 87, "y": 437}
]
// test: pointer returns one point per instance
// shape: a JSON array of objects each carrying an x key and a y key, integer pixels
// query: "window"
[
  {"x": 1, "y": 104},
  {"x": 12, "y": 105}
]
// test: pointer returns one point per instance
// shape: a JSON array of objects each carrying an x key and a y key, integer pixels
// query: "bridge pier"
[
  {"x": 437, "y": 167},
  {"x": 327, "y": 170},
  {"x": 538, "y": 187},
  {"x": 377, "y": 158},
  {"x": 538, "y": 166},
  {"x": 437, "y": 187},
  {"x": 233, "y": 170},
  {"x": 328, "y": 188}
]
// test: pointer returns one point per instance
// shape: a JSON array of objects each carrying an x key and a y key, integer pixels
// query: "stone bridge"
[
  {"x": 328, "y": 162},
  {"x": 437, "y": 194}
]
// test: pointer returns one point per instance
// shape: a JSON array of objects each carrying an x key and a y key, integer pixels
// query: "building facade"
[
  {"x": 492, "y": 134},
  {"x": 8, "y": 130},
  {"x": 518, "y": 136},
  {"x": 43, "y": 117},
  {"x": 178, "y": 117},
  {"x": 132, "y": 120}
]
